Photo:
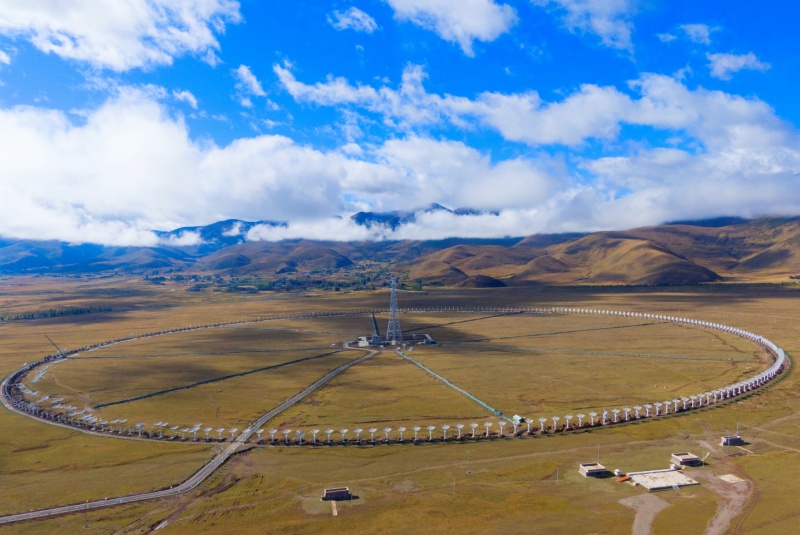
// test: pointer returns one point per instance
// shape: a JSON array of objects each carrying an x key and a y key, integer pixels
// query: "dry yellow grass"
[
  {"x": 383, "y": 391},
  {"x": 511, "y": 486}
]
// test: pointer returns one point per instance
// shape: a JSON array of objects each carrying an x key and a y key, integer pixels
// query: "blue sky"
[{"x": 120, "y": 117}]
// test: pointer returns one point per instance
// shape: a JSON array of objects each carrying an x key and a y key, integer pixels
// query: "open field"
[
  {"x": 233, "y": 402},
  {"x": 534, "y": 365},
  {"x": 524, "y": 485},
  {"x": 384, "y": 391}
]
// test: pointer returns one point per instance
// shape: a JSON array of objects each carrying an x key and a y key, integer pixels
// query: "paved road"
[{"x": 195, "y": 479}]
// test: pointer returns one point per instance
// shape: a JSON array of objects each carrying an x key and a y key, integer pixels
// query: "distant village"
[{"x": 350, "y": 278}]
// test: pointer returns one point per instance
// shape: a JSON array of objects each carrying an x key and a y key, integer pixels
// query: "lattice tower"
[{"x": 393, "y": 333}]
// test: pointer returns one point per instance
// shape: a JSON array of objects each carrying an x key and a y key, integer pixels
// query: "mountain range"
[{"x": 685, "y": 252}]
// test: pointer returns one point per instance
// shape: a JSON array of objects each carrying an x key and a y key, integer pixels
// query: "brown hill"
[
  {"x": 761, "y": 248},
  {"x": 766, "y": 249},
  {"x": 729, "y": 249},
  {"x": 601, "y": 258},
  {"x": 272, "y": 257}
]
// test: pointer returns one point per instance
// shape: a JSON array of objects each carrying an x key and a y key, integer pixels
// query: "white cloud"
[
  {"x": 329, "y": 229},
  {"x": 234, "y": 230},
  {"x": 608, "y": 19},
  {"x": 592, "y": 112},
  {"x": 185, "y": 96},
  {"x": 5, "y": 59},
  {"x": 738, "y": 143},
  {"x": 458, "y": 21},
  {"x": 352, "y": 19},
  {"x": 698, "y": 33},
  {"x": 184, "y": 239},
  {"x": 120, "y": 35},
  {"x": 425, "y": 170},
  {"x": 130, "y": 166},
  {"x": 436, "y": 225},
  {"x": 666, "y": 37},
  {"x": 407, "y": 106},
  {"x": 670, "y": 184},
  {"x": 723, "y": 65},
  {"x": 246, "y": 81}
]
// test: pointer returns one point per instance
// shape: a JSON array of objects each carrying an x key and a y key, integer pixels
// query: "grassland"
[
  {"x": 383, "y": 391},
  {"x": 525, "y": 485}
]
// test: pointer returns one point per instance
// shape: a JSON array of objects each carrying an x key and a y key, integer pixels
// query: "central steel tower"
[{"x": 393, "y": 333}]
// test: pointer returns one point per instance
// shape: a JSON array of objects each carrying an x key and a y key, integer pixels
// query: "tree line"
[{"x": 54, "y": 313}]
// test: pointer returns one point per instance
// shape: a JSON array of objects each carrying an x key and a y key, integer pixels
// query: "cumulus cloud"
[
  {"x": 246, "y": 81},
  {"x": 129, "y": 167},
  {"x": 185, "y": 96},
  {"x": 698, "y": 33},
  {"x": 426, "y": 170},
  {"x": 724, "y": 65},
  {"x": 121, "y": 35},
  {"x": 458, "y": 21},
  {"x": 608, "y": 19},
  {"x": 407, "y": 106},
  {"x": 591, "y": 112},
  {"x": 5, "y": 59},
  {"x": 352, "y": 19}
]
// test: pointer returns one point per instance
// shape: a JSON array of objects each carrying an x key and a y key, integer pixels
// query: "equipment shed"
[
  {"x": 592, "y": 470},
  {"x": 337, "y": 493},
  {"x": 685, "y": 458}
]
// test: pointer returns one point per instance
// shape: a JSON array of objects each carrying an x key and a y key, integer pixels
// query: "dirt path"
[
  {"x": 83, "y": 396},
  {"x": 737, "y": 499},
  {"x": 734, "y": 499},
  {"x": 647, "y": 506}
]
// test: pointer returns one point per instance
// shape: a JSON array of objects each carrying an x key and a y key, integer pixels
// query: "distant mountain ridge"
[
  {"x": 216, "y": 235},
  {"x": 397, "y": 218},
  {"x": 723, "y": 249}
]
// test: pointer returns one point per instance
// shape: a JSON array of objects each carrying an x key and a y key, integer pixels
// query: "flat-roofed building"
[
  {"x": 732, "y": 440},
  {"x": 337, "y": 493},
  {"x": 592, "y": 470},
  {"x": 685, "y": 458}
]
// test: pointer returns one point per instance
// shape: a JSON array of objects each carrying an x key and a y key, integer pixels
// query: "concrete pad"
[{"x": 661, "y": 479}]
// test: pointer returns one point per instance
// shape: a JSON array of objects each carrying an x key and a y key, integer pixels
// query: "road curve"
[{"x": 195, "y": 479}]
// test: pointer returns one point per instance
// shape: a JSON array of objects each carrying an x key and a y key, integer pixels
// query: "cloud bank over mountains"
[
  {"x": 112, "y": 174},
  {"x": 583, "y": 156}
]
